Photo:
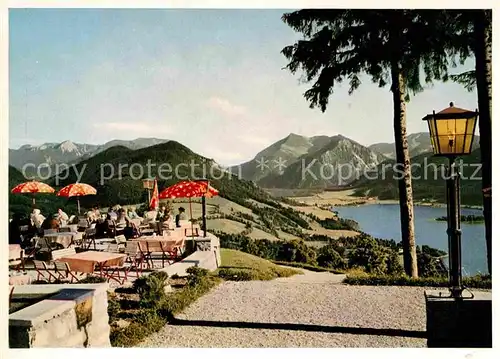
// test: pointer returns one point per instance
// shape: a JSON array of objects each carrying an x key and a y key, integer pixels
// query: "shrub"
[
  {"x": 244, "y": 274},
  {"x": 93, "y": 279},
  {"x": 196, "y": 275},
  {"x": 328, "y": 257},
  {"x": 313, "y": 268},
  {"x": 151, "y": 289},
  {"x": 113, "y": 307},
  {"x": 236, "y": 274}
]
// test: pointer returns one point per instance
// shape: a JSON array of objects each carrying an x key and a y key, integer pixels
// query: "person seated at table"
[
  {"x": 97, "y": 213},
  {"x": 132, "y": 214},
  {"x": 180, "y": 217},
  {"x": 62, "y": 217},
  {"x": 112, "y": 214},
  {"x": 122, "y": 220},
  {"x": 37, "y": 219},
  {"x": 51, "y": 223}
]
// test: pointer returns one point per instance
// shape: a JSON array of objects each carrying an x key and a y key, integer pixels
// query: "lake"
[{"x": 382, "y": 221}]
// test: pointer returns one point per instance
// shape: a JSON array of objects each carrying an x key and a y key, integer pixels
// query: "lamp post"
[
  {"x": 452, "y": 135},
  {"x": 148, "y": 185}
]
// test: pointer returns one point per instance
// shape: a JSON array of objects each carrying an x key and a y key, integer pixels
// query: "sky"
[{"x": 212, "y": 80}]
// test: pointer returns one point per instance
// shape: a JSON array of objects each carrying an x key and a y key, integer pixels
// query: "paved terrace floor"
[{"x": 311, "y": 310}]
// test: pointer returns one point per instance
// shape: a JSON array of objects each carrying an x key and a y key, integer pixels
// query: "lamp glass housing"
[{"x": 452, "y": 131}]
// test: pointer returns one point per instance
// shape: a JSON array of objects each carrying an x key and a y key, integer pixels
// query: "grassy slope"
[{"x": 237, "y": 265}]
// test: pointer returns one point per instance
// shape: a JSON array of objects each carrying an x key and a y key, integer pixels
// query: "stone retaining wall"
[{"x": 75, "y": 317}]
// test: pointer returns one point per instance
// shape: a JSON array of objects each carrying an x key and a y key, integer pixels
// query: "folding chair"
[
  {"x": 42, "y": 269},
  {"x": 89, "y": 237},
  {"x": 110, "y": 228},
  {"x": 113, "y": 248},
  {"x": 170, "y": 253},
  {"x": 18, "y": 263},
  {"x": 134, "y": 260},
  {"x": 63, "y": 270},
  {"x": 146, "y": 255}
]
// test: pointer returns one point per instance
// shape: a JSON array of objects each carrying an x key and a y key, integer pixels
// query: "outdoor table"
[
  {"x": 153, "y": 242},
  {"x": 63, "y": 238},
  {"x": 85, "y": 262},
  {"x": 170, "y": 247}
]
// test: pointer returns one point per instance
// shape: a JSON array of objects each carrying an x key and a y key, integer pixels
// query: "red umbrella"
[
  {"x": 33, "y": 187},
  {"x": 77, "y": 190},
  {"x": 189, "y": 189}
]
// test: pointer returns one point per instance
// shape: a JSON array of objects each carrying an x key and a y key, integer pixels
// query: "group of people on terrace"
[{"x": 125, "y": 218}]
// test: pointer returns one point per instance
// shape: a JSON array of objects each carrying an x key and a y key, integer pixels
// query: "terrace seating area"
[{"x": 70, "y": 255}]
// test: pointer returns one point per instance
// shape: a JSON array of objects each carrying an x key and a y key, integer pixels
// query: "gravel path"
[{"x": 295, "y": 313}]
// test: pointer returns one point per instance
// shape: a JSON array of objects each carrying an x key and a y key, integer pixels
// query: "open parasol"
[
  {"x": 77, "y": 190},
  {"x": 32, "y": 187},
  {"x": 189, "y": 189}
]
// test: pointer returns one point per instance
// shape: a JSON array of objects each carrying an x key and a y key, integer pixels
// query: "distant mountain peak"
[{"x": 68, "y": 146}]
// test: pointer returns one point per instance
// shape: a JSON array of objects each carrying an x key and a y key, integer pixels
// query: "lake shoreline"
[{"x": 344, "y": 198}]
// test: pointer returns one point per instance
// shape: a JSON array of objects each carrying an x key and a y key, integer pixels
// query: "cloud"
[
  {"x": 255, "y": 140},
  {"x": 135, "y": 127},
  {"x": 226, "y": 107}
]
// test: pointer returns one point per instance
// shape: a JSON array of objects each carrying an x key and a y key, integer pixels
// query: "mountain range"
[
  {"x": 309, "y": 162},
  {"x": 69, "y": 152}
]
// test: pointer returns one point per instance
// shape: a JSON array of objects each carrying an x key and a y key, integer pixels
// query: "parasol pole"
[
  {"x": 204, "y": 215},
  {"x": 78, "y": 202},
  {"x": 191, "y": 214}
]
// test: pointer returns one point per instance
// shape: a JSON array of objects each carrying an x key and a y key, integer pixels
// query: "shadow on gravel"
[{"x": 303, "y": 327}]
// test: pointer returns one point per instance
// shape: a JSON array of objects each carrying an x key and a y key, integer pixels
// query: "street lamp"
[{"x": 452, "y": 135}]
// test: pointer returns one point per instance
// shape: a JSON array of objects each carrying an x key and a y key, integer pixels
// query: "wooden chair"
[
  {"x": 83, "y": 222},
  {"x": 89, "y": 237},
  {"x": 63, "y": 271},
  {"x": 133, "y": 261},
  {"x": 146, "y": 255},
  {"x": 113, "y": 248},
  {"x": 42, "y": 269},
  {"x": 18, "y": 263},
  {"x": 111, "y": 228}
]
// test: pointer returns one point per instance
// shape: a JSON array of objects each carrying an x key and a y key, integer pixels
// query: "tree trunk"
[
  {"x": 482, "y": 52},
  {"x": 403, "y": 173}
]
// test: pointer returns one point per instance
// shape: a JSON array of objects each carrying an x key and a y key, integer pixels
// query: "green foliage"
[
  {"x": 113, "y": 307},
  {"x": 469, "y": 218},
  {"x": 196, "y": 275},
  {"x": 93, "y": 279},
  {"x": 296, "y": 251},
  {"x": 471, "y": 282},
  {"x": 151, "y": 319},
  {"x": 336, "y": 223},
  {"x": 151, "y": 289},
  {"x": 313, "y": 268},
  {"x": 370, "y": 256},
  {"x": 328, "y": 257}
]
